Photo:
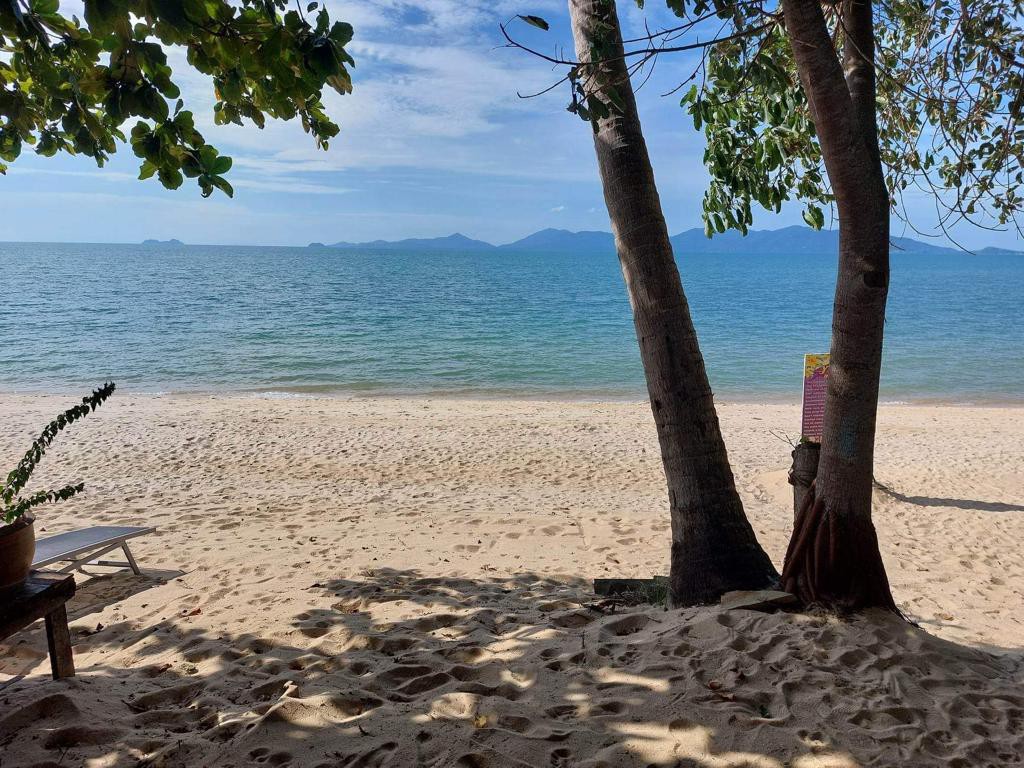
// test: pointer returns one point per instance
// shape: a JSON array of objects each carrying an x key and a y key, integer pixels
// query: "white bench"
[{"x": 84, "y": 546}]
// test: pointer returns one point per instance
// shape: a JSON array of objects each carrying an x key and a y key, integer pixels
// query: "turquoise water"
[{"x": 211, "y": 318}]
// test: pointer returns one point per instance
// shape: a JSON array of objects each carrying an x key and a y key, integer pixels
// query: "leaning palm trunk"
[
  {"x": 714, "y": 548},
  {"x": 833, "y": 557}
]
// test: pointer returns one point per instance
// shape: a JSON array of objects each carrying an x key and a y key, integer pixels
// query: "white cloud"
[
  {"x": 432, "y": 92},
  {"x": 290, "y": 186},
  {"x": 280, "y": 184},
  {"x": 99, "y": 174},
  {"x": 434, "y": 115}
]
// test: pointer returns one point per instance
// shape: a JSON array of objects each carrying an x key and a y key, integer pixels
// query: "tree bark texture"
[
  {"x": 802, "y": 474},
  {"x": 714, "y": 548},
  {"x": 833, "y": 557}
]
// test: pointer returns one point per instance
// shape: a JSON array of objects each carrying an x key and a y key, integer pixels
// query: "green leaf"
[
  {"x": 341, "y": 33},
  {"x": 222, "y": 184},
  {"x": 73, "y": 85},
  {"x": 535, "y": 21},
  {"x": 207, "y": 156},
  {"x": 101, "y": 15},
  {"x": 170, "y": 177},
  {"x": 814, "y": 217},
  {"x": 221, "y": 165},
  {"x": 341, "y": 83},
  {"x": 322, "y": 59}
]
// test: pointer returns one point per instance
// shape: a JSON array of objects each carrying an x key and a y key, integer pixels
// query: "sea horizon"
[{"x": 538, "y": 326}]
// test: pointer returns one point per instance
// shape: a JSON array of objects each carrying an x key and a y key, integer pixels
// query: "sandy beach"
[{"x": 406, "y": 582}]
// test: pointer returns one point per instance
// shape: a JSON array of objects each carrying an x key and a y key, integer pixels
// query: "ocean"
[{"x": 294, "y": 321}]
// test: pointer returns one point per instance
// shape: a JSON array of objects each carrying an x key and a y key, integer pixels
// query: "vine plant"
[{"x": 12, "y": 504}]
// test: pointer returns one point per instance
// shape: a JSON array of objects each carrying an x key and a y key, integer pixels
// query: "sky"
[{"x": 434, "y": 140}]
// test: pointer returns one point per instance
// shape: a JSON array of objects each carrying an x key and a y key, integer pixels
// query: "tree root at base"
[{"x": 834, "y": 561}]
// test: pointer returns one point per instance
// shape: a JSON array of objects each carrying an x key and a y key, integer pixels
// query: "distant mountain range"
[
  {"x": 788, "y": 240},
  {"x": 456, "y": 242}
]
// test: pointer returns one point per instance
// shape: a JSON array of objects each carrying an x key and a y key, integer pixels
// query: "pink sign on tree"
[{"x": 812, "y": 419}]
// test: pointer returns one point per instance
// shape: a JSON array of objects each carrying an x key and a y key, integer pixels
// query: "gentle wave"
[{"x": 284, "y": 322}]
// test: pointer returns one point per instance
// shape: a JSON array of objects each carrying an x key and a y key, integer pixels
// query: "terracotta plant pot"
[{"x": 17, "y": 547}]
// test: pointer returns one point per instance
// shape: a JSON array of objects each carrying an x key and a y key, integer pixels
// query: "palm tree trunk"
[
  {"x": 714, "y": 548},
  {"x": 833, "y": 557}
]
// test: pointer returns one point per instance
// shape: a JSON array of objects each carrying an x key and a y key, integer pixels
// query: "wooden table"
[{"x": 42, "y": 596}]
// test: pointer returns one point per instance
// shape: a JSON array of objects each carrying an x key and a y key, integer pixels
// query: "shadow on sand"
[
  {"x": 400, "y": 669},
  {"x": 20, "y": 655},
  {"x": 935, "y": 501}
]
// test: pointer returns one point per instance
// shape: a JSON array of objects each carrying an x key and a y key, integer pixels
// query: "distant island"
[
  {"x": 172, "y": 241},
  {"x": 788, "y": 240}
]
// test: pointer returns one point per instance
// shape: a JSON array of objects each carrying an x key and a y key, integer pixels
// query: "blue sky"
[{"x": 434, "y": 140}]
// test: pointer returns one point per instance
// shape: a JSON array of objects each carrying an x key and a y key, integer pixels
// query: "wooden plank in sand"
[{"x": 610, "y": 587}]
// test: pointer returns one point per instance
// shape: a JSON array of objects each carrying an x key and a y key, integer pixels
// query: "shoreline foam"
[{"x": 567, "y": 396}]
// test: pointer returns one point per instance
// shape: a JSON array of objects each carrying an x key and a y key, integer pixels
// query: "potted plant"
[{"x": 17, "y": 535}]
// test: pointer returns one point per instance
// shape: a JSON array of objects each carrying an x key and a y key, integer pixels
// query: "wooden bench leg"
[
  {"x": 58, "y": 638},
  {"x": 131, "y": 560}
]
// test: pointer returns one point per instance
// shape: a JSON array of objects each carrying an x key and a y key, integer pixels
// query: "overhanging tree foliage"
[
  {"x": 949, "y": 100},
  {"x": 70, "y": 84}
]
